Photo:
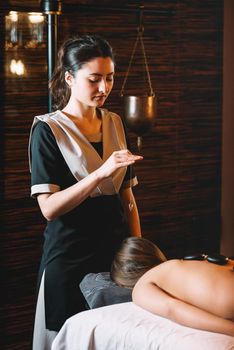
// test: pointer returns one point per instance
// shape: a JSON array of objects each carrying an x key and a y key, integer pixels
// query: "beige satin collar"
[{"x": 80, "y": 156}]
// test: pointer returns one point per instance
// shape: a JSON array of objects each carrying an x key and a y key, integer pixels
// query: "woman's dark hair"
[
  {"x": 135, "y": 256},
  {"x": 72, "y": 55}
]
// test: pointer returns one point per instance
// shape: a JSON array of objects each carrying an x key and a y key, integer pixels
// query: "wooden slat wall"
[{"x": 179, "y": 180}]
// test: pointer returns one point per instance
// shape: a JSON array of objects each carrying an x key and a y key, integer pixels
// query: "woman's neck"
[
  {"x": 87, "y": 119},
  {"x": 80, "y": 111}
]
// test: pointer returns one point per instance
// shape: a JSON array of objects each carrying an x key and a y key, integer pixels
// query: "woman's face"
[{"x": 93, "y": 82}]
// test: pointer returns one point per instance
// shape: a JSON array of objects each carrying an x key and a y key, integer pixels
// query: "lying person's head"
[{"x": 135, "y": 256}]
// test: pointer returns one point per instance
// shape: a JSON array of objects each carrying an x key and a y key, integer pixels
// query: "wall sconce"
[
  {"x": 17, "y": 67},
  {"x": 24, "y": 35},
  {"x": 13, "y": 34},
  {"x": 36, "y": 29},
  {"x": 24, "y": 30}
]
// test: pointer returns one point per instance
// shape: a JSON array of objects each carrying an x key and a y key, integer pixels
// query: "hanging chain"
[
  {"x": 129, "y": 65},
  {"x": 139, "y": 36},
  {"x": 146, "y": 64}
]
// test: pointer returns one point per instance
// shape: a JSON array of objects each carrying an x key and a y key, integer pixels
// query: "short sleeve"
[{"x": 46, "y": 161}]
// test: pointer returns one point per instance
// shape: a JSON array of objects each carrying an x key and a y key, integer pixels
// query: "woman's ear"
[{"x": 68, "y": 78}]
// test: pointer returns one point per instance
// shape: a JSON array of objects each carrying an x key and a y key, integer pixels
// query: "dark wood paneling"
[{"x": 179, "y": 180}]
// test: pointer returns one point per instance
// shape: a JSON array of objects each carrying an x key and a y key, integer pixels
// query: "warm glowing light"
[
  {"x": 17, "y": 67},
  {"x": 13, "y": 16},
  {"x": 35, "y": 17}
]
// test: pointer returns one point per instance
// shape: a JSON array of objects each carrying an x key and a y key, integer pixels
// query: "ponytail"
[
  {"x": 58, "y": 87},
  {"x": 72, "y": 55}
]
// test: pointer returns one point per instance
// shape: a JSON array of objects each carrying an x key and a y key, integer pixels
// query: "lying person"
[{"x": 194, "y": 293}]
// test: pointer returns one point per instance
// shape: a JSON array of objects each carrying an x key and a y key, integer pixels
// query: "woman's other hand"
[{"x": 118, "y": 159}]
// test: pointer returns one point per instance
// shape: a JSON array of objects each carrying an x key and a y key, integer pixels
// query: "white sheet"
[{"x": 127, "y": 327}]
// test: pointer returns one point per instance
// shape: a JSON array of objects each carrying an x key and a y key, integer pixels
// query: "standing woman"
[{"x": 82, "y": 178}]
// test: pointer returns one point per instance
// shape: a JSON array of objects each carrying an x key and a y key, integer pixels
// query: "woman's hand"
[
  {"x": 118, "y": 159},
  {"x": 59, "y": 203}
]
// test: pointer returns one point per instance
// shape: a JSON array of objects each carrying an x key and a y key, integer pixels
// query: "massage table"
[{"x": 126, "y": 326}]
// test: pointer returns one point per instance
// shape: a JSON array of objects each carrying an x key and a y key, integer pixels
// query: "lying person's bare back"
[
  {"x": 197, "y": 294},
  {"x": 200, "y": 283}
]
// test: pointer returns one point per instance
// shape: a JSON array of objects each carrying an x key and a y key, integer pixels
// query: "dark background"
[{"x": 179, "y": 191}]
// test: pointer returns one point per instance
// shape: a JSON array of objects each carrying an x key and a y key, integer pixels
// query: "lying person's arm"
[{"x": 149, "y": 296}]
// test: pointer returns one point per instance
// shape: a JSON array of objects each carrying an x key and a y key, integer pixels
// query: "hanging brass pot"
[{"x": 139, "y": 113}]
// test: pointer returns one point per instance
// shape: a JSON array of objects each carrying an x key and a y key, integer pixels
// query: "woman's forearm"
[
  {"x": 60, "y": 203},
  {"x": 131, "y": 212},
  {"x": 134, "y": 221}
]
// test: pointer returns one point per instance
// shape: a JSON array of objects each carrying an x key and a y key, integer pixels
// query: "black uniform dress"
[{"x": 83, "y": 240}]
